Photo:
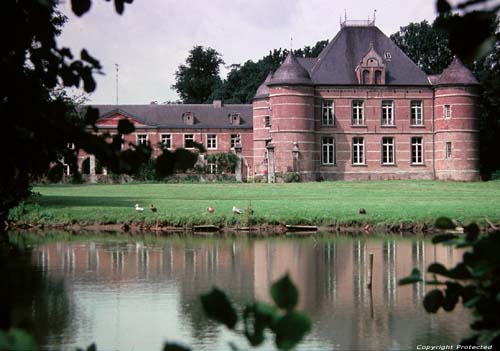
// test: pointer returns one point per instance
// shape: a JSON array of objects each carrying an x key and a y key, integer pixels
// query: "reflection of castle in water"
[{"x": 332, "y": 276}]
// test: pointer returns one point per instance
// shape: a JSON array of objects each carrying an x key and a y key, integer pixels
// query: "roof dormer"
[
  {"x": 188, "y": 118},
  {"x": 371, "y": 68},
  {"x": 234, "y": 118}
]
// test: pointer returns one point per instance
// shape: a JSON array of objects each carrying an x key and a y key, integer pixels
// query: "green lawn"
[{"x": 315, "y": 203}]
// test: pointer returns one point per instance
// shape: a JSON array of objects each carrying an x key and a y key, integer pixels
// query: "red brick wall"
[{"x": 461, "y": 130}]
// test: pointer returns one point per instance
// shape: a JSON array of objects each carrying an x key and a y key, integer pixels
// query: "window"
[
  {"x": 366, "y": 77},
  {"x": 235, "y": 139},
  {"x": 142, "y": 139},
  {"x": 166, "y": 141},
  {"x": 358, "y": 116},
  {"x": 211, "y": 141},
  {"x": 189, "y": 141},
  {"x": 267, "y": 121},
  {"x": 328, "y": 150},
  {"x": 447, "y": 153},
  {"x": 378, "y": 77},
  {"x": 447, "y": 111},
  {"x": 417, "y": 151},
  {"x": 417, "y": 118},
  {"x": 358, "y": 151},
  {"x": 387, "y": 151},
  {"x": 70, "y": 146},
  {"x": 387, "y": 113},
  {"x": 327, "y": 113},
  {"x": 211, "y": 167},
  {"x": 388, "y": 56}
]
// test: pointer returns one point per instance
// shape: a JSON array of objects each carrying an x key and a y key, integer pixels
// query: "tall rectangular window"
[
  {"x": 387, "y": 151},
  {"x": 267, "y": 121},
  {"x": 328, "y": 150},
  {"x": 211, "y": 141},
  {"x": 358, "y": 151},
  {"x": 188, "y": 141},
  {"x": 327, "y": 113},
  {"x": 416, "y": 113},
  {"x": 358, "y": 113},
  {"x": 166, "y": 141},
  {"x": 417, "y": 151},
  {"x": 235, "y": 139},
  {"x": 447, "y": 111},
  {"x": 447, "y": 151},
  {"x": 142, "y": 139},
  {"x": 211, "y": 167},
  {"x": 387, "y": 113}
]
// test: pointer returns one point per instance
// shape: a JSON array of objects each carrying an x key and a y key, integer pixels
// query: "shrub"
[{"x": 292, "y": 177}]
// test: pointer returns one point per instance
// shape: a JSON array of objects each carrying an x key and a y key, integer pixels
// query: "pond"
[{"x": 134, "y": 293}]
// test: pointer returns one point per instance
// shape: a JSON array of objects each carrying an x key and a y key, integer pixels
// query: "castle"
[{"x": 361, "y": 110}]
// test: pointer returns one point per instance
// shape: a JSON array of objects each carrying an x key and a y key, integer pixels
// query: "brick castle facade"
[{"x": 361, "y": 110}]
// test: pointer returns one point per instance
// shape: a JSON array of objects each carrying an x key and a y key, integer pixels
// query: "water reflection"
[{"x": 134, "y": 295}]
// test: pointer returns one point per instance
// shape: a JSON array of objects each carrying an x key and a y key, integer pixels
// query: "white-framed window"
[
  {"x": 267, "y": 121},
  {"x": 327, "y": 113},
  {"x": 211, "y": 141},
  {"x": 66, "y": 169},
  {"x": 235, "y": 139},
  {"x": 417, "y": 151},
  {"x": 358, "y": 151},
  {"x": 211, "y": 167},
  {"x": 327, "y": 151},
  {"x": 70, "y": 146},
  {"x": 447, "y": 111},
  {"x": 166, "y": 141},
  {"x": 142, "y": 139},
  {"x": 416, "y": 113},
  {"x": 447, "y": 151},
  {"x": 387, "y": 151},
  {"x": 388, "y": 56},
  {"x": 387, "y": 113},
  {"x": 188, "y": 141},
  {"x": 358, "y": 113}
]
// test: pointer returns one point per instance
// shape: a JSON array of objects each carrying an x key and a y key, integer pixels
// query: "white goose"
[
  {"x": 236, "y": 210},
  {"x": 139, "y": 209}
]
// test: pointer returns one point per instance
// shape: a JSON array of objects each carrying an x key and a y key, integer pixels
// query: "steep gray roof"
[
  {"x": 170, "y": 116},
  {"x": 290, "y": 72},
  {"x": 337, "y": 62},
  {"x": 456, "y": 73},
  {"x": 263, "y": 89}
]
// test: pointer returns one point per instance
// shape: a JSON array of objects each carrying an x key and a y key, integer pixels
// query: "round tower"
[
  {"x": 456, "y": 124},
  {"x": 261, "y": 129},
  {"x": 291, "y": 105}
]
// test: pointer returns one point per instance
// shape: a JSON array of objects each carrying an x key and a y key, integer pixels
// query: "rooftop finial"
[
  {"x": 291, "y": 44},
  {"x": 374, "y": 15}
]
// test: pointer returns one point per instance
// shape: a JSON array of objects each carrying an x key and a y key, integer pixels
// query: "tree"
[
  {"x": 37, "y": 123},
  {"x": 197, "y": 79},
  {"x": 425, "y": 45}
]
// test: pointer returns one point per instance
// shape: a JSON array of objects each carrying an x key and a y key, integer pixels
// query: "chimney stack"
[{"x": 217, "y": 103}]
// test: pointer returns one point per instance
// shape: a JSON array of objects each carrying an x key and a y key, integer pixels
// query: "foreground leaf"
[
  {"x": 218, "y": 307},
  {"x": 414, "y": 277},
  {"x": 433, "y": 300},
  {"x": 284, "y": 293},
  {"x": 174, "y": 347},
  {"x": 290, "y": 329}
]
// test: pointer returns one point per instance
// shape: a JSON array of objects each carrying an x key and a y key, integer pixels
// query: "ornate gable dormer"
[
  {"x": 371, "y": 68},
  {"x": 234, "y": 118}
]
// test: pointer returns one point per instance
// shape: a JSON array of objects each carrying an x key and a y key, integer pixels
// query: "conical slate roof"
[
  {"x": 290, "y": 72},
  {"x": 263, "y": 89},
  {"x": 456, "y": 73}
]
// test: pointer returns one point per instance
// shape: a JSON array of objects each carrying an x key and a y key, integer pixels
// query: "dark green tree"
[
  {"x": 196, "y": 80},
  {"x": 425, "y": 45}
]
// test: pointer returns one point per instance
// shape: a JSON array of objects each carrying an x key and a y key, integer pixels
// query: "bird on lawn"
[
  {"x": 236, "y": 210},
  {"x": 362, "y": 211},
  {"x": 211, "y": 210},
  {"x": 152, "y": 208},
  {"x": 139, "y": 209}
]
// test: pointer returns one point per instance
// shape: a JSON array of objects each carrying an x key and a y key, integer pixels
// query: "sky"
[{"x": 153, "y": 37}]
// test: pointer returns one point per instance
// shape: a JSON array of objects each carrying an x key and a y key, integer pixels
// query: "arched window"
[
  {"x": 378, "y": 77},
  {"x": 366, "y": 77}
]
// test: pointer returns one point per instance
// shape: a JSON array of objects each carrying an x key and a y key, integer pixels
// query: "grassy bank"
[{"x": 296, "y": 203}]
